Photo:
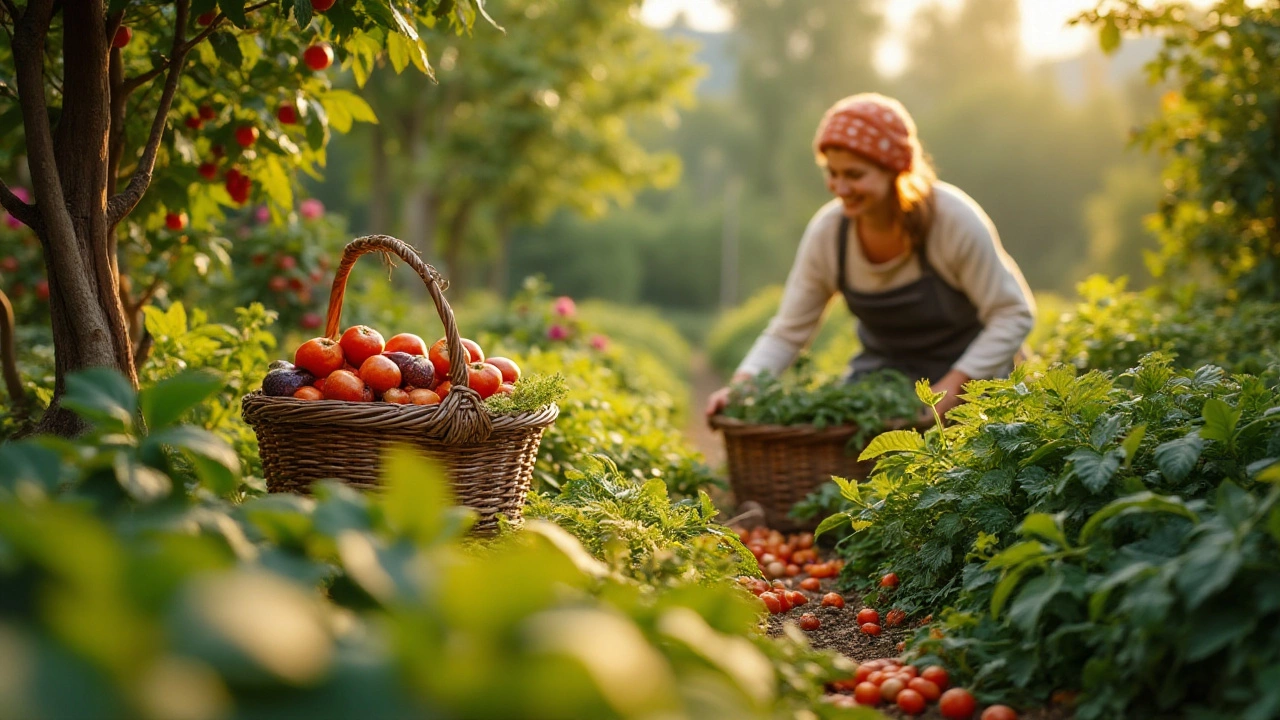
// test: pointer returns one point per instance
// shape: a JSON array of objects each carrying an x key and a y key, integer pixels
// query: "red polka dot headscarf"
[{"x": 873, "y": 126}]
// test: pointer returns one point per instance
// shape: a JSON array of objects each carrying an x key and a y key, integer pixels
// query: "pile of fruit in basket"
[{"x": 362, "y": 367}]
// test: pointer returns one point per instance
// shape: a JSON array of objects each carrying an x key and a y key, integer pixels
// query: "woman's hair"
[{"x": 915, "y": 200}]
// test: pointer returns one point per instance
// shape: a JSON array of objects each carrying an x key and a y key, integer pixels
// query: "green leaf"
[
  {"x": 893, "y": 441},
  {"x": 216, "y": 464},
  {"x": 166, "y": 401},
  {"x": 1109, "y": 36},
  {"x": 142, "y": 483},
  {"x": 1131, "y": 443},
  {"x": 1045, "y": 450},
  {"x": 1208, "y": 566},
  {"x": 925, "y": 392},
  {"x": 849, "y": 489},
  {"x": 1219, "y": 421},
  {"x": 1177, "y": 458},
  {"x": 417, "y": 495},
  {"x": 1094, "y": 470},
  {"x": 27, "y": 462},
  {"x": 831, "y": 523},
  {"x": 227, "y": 48},
  {"x": 1025, "y": 611},
  {"x": 302, "y": 12},
  {"x": 344, "y": 108},
  {"x": 103, "y": 395},
  {"x": 234, "y": 10},
  {"x": 1145, "y": 502},
  {"x": 1104, "y": 431},
  {"x": 1004, "y": 589},
  {"x": 275, "y": 181},
  {"x": 1214, "y": 631},
  {"x": 1045, "y": 527},
  {"x": 1016, "y": 554}
]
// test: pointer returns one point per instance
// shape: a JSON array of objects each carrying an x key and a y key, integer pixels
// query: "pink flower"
[
  {"x": 557, "y": 332},
  {"x": 599, "y": 342},
  {"x": 11, "y": 221},
  {"x": 311, "y": 209},
  {"x": 22, "y": 194},
  {"x": 564, "y": 306},
  {"x": 262, "y": 215}
]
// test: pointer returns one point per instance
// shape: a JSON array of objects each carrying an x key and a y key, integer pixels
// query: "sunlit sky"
[{"x": 1045, "y": 34}]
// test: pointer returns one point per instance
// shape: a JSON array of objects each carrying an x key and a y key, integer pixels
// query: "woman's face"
[{"x": 860, "y": 184}]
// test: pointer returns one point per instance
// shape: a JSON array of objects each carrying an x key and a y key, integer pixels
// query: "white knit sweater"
[{"x": 964, "y": 251}]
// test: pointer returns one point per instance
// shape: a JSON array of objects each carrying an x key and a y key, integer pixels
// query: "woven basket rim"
[{"x": 367, "y": 414}]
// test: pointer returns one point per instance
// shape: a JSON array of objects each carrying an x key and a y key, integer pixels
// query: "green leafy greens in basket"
[
  {"x": 531, "y": 393},
  {"x": 800, "y": 396}
]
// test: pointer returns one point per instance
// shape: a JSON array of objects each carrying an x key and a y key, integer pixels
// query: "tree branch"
[
  {"x": 121, "y": 204},
  {"x": 17, "y": 208}
]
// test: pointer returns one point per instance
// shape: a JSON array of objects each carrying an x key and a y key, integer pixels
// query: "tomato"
[
  {"x": 319, "y": 356},
  {"x": 322, "y": 5},
  {"x": 894, "y": 618},
  {"x": 871, "y": 628},
  {"x": 483, "y": 378},
  {"x": 835, "y": 600},
  {"x": 473, "y": 349},
  {"x": 359, "y": 343},
  {"x": 510, "y": 371},
  {"x": 910, "y": 702},
  {"x": 809, "y": 621},
  {"x": 864, "y": 672},
  {"x": 506, "y": 389},
  {"x": 868, "y": 615},
  {"x": 804, "y": 540},
  {"x": 395, "y": 395},
  {"x": 439, "y": 356},
  {"x": 123, "y": 35},
  {"x": 774, "y": 568},
  {"x": 772, "y": 602},
  {"x": 957, "y": 704},
  {"x": 796, "y": 598},
  {"x": 811, "y": 584},
  {"x": 782, "y": 599},
  {"x": 792, "y": 570},
  {"x": 307, "y": 392},
  {"x": 406, "y": 343},
  {"x": 344, "y": 385},
  {"x": 318, "y": 57},
  {"x": 246, "y": 135},
  {"x": 890, "y": 688},
  {"x": 999, "y": 712},
  {"x": 866, "y": 694},
  {"x": 877, "y": 677},
  {"x": 208, "y": 170},
  {"x": 889, "y": 581},
  {"x": 926, "y": 688},
  {"x": 380, "y": 373},
  {"x": 443, "y": 389},
  {"x": 937, "y": 675}
]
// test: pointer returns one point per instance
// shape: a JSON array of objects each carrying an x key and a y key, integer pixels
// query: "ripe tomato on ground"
[
  {"x": 809, "y": 621},
  {"x": 835, "y": 600},
  {"x": 889, "y": 581},
  {"x": 359, "y": 343},
  {"x": 344, "y": 385},
  {"x": 957, "y": 704},
  {"x": 795, "y": 597},
  {"x": 910, "y": 702},
  {"x": 772, "y": 602},
  {"x": 406, "y": 343},
  {"x": 871, "y": 628},
  {"x": 319, "y": 356},
  {"x": 483, "y": 378},
  {"x": 811, "y": 584},
  {"x": 926, "y": 688},
  {"x": 937, "y": 675},
  {"x": 999, "y": 712},
  {"x": 380, "y": 373},
  {"x": 889, "y": 689},
  {"x": 894, "y": 618},
  {"x": 867, "y": 694},
  {"x": 868, "y": 615},
  {"x": 510, "y": 371}
]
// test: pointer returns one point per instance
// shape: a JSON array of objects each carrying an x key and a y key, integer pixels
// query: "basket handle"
[{"x": 461, "y": 418}]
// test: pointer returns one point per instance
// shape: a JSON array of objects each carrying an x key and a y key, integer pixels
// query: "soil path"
[{"x": 704, "y": 380}]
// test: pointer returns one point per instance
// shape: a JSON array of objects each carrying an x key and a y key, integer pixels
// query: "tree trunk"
[
  {"x": 499, "y": 271},
  {"x": 69, "y": 172}
]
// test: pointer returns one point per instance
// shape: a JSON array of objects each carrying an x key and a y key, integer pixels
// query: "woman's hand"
[
  {"x": 949, "y": 384},
  {"x": 716, "y": 401}
]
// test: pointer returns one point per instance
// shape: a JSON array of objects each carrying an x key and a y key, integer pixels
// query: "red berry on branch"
[
  {"x": 287, "y": 114},
  {"x": 318, "y": 57},
  {"x": 122, "y": 37},
  {"x": 246, "y": 135}
]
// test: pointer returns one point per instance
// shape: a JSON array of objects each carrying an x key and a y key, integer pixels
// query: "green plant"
[{"x": 802, "y": 396}]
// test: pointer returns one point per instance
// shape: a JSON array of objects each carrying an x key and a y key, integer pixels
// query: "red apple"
[
  {"x": 208, "y": 170},
  {"x": 175, "y": 221},
  {"x": 122, "y": 38},
  {"x": 287, "y": 114},
  {"x": 318, "y": 57},
  {"x": 246, "y": 135},
  {"x": 322, "y": 5},
  {"x": 193, "y": 122},
  {"x": 207, "y": 113},
  {"x": 206, "y": 18}
]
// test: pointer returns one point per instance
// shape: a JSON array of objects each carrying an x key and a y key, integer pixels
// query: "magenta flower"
[
  {"x": 262, "y": 215},
  {"x": 599, "y": 342},
  {"x": 311, "y": 209},
  {"x": 564, "y": 306},
  {"x": 11, "y": 221},
  {"x": 22, "y": 194},
  {"x": 557, "y": 332}
]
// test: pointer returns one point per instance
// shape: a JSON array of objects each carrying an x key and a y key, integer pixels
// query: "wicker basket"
[
  {"x": 778, "y": 465},
  {"x": 489, "y": 458}
]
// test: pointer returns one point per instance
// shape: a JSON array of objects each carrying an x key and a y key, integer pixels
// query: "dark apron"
[{"x": 920, "y": 329}]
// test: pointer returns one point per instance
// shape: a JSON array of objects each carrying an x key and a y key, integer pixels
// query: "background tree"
[
  {"x": 92, "y": 89},
  {"x": 1220, "y": 217}
]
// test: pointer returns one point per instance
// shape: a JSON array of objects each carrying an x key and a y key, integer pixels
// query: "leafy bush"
[
  {"x": 1110, "y": 329},
  {"x": 1156, "y": 474},
  {"x": 125, "y": 596}
]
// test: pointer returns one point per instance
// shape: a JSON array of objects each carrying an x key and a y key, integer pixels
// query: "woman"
[{"x": 917, "y": 261}]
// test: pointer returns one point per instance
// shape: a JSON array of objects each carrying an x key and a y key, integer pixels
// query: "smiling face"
[{"x": 861, "y": 185}]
